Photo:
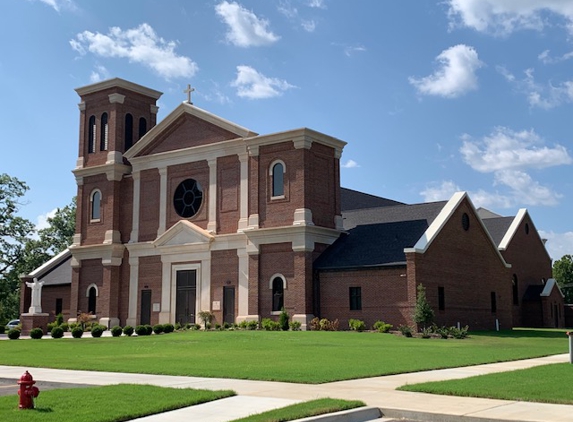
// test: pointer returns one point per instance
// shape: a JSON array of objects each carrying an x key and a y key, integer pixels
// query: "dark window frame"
[
  {"x": 278, "y": 296},
  {"x": 278, "y": 180},
  {"x": 128, "y": 131},
  {"x": 104, "y": 133},
  {"x": 493, "y": 298},
  {"x": 355, "y": 298},
  {"x": 91, "y": 134},
  {"x": 441, "y": 298}
]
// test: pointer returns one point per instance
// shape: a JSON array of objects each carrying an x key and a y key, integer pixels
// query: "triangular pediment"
[
  {"x": 186, "y": 127},
  {"x": 184, "y": 233}
]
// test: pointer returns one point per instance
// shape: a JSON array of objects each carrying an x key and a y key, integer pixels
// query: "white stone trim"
[
  {"x": 162, "y": 201},
  {"x": 133, "y": 291},
  {"x": 82, "y": 106},
  {"x": 173, "y": 289},
  {"x": 244, "y": 192},
  {"x": 113, "y": 172},
  {"x": 118, "y": 83},
  {"x": 512, "y": 229},
  {"x": 89, "y": 287},
  {"x": 302, "y": 217},
  {"x": 114, "y": 157},
  {"x": 277, "y": 275},
  {"x": 116, "y": 98},
  {"x": 112, "y": 236},
  {"x": 153, "y": 109},
  {"x": 550, "y": 284},
  {"x": 212, "y": 195},
  {"x": 243, "y": 290}
]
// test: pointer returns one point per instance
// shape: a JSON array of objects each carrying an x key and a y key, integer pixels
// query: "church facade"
[{"x": 196, "y": 213}]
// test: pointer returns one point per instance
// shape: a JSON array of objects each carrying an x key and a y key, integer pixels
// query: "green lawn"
[
  {"x": 303, "y": 410},
  {"x": 546, "y": 384},
  {"x": 105, "y": 404},
  {"x": 306, "y": 357}
]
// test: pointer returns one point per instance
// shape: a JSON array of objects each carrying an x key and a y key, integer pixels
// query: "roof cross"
[{"x": 188, "y": 91}]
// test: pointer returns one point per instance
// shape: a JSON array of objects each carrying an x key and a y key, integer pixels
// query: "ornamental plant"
[
  {"x": 36, "y": 333},
  {"x": 97, "y": 330},
  {"x": 283, "y": 320},
  {"x": 77, "y": 332},
  {"x": 116, "y": 331},
  {"x": 57, "y": 332},
  {"x": 14, "y": 334},
  {"x": 128, "y": 330},
  {"x": 423, "y": 314}
]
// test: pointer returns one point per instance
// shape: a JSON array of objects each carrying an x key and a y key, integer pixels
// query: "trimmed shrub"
[
  {"x": 14, "y": 334},
  {"x": 158, "y": 328},
  {"x": 227, "y": 326},
  {"x": 283, "y": 320},
  {"x": 268, "y": 324},
  {"x": 73, "y": 325},
  {"x": 65, "y": 326},
  {"x": 459, "y": 333},
  {"x": 77, "y": 332},
  {"x": 51, "y": 325},
  {"x": 97, "y": 330},
  {"x": 382, "y": 327},
  {"x": 59, "y": 319},
  {"x": 128, "y": 330},
  {"x": 444, "y": 332},
  {"x": 356, "y": 324},
  {"x": 427, "y": 332},
  {"x": 36, "y": 333},
  {"x": 169, "y": 328},
  {"x": 252, "y": 325},
  {"x": 295, "y": 325},
  {"x": 57, "y": 332},
  {"x": 176, "y": 327},
  {"x": 406, "y": 330},
  {"x": 149, "y": 329},
  {"x": 116, "y": 331},
  {"x": 140, "y": 330}
]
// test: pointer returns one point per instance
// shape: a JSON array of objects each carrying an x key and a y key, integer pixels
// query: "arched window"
[
  {"x": 277, "y": 172},
  {"x": 92, "y": 294},
  {"x": 128, "y": 131},
  {"x": 103, "y": 142},
  {"x": 515, "y": 290},
  {"x": 278, "y": 285},
  {"x": 91, "y": 134},
  {"x": 95, "y": 205},
  {"x": 142, "y": 127}
]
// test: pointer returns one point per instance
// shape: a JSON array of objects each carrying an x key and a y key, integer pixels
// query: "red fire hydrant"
[{"x": 27, "y": 392}]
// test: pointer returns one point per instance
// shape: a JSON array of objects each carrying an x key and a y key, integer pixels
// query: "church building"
[{"x": 196, "y": 213}]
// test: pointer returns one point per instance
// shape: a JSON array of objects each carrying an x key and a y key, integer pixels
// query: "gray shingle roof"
[
  {"x": 352, "y": 199},
  {"x": 497, "y": 227}
]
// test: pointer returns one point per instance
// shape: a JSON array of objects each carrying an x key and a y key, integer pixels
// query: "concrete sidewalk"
[{"x": 379, "y": 392}]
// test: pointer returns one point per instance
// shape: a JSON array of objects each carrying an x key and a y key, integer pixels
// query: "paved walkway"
[{"x": 258, "y": 396}]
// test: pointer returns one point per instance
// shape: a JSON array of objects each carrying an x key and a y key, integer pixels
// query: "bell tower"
[{"x": 114, "y": 115}]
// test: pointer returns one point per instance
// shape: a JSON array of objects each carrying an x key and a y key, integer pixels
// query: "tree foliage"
[
  {"x": 423, "y": 315},
  {"x": 563, "y": 274}
]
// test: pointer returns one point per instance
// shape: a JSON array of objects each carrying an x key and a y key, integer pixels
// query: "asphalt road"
[{"x": 10, "y": 387}]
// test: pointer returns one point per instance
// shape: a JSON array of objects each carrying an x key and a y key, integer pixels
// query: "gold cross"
[{"x": 188, "y": 91}]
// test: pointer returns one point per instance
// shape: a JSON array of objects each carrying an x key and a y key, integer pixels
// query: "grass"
[
  {"x": 304, "y": 357},
  {"x": 110, "y": 403},
  {"x": 303, "y": 410},
  {"x": 545, "y": 384}
]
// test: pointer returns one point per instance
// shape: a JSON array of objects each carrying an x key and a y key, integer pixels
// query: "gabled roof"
[
  {"x": 485, "y": 213},
  {"x": 535, "y": 292},
  {"x": 388, "y": 214},
  {"x": 182, "y": 109},
  {"x": 184, "y": 233},
  {"x": 56, "y": 271},
  {"x": 352, "y": 199},
  {"x": 498, "y": 227}
]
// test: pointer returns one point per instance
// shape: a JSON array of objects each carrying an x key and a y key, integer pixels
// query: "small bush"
[
  {"x": 169, "y": 328},
  {"x": 218, "y": 327},
  {"x": 14, "y": 334},
  {"x": 243, "y": 325},
  {"x": 427, "y": 332},
  {"x": 444, "y": 332},
  {"x": 406, "y": 330},
  {"x": 128, "y": 330},
  {"x": 459, "y": 333},
  {"x": 77, "y": 332},
  {"x": 323, "y": 324},
  {"x": 158, "y": 328},
  {"x": 36, "y": 333},
  {"x": 51, "y": 325},
  {"x": 356, "y": 324},
  {"x": 283, "y": 320},
  {"x": 149, "y": 329},
  {"x": 73, "y": 325},
  {"x": 227, "y": 326},
  {"x": 295, "y": 325},
  {"x": 116, "y": 331},
  {"x": 252, "y": 325},
  {"x": 59, "y": 319},
  {"x": 268, "y": 324},
  {"x": 382, "y": 327},
  {"x": 97, "y": 330},
  {"x": 176, "y": 327},
  {"x": 64, "y": 326},
  {"x": 140, "y": 330},
  {"x": 57, "y": 332}
]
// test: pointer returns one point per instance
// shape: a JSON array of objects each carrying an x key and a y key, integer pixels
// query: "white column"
[
  {"x": 136, "y": 176},
  {"x": 133, "y": 291},
  {"x": 212, "y": 225},
  {"x": 205, "y": 283},
  {"x": 244, "y": 213},
  {"x": 162, "y": 200},
  {"x": 165, "y": 314},
  {"x": 243, "y": 283}
]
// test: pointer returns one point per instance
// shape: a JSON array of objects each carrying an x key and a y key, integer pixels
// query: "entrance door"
[
  {"x": 229, "y": 304},
  {"x": 145, "y": 307},
  {"x": 186, "y": 292}
]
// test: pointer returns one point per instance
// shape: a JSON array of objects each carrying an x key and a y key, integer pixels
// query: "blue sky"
[{"x": 432, "y": 97}]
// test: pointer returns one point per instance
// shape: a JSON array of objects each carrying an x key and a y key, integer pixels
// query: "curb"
[
  {"x": 438, "y": 417},
  {"x": 361, "y": 414}
]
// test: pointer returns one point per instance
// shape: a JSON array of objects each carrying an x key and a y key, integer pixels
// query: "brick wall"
[
  {"x": 49, "y": 296},
  {"x": 228, "y": 194},
  {"x": 276, "y": 259},
  {"x": 91, "y": 271},
  {"x": 150, "y": 268},
  {"x": 224, "y": 273},
  {"x": 149, "y": 205}
]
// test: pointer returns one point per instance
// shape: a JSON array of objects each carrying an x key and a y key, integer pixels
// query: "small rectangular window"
[
  {"x": 493, "y": 302},
  {"x": 355, "y": 298},
  {"x": 59, "y": 303},
  {"x": 441, "y": 299}
]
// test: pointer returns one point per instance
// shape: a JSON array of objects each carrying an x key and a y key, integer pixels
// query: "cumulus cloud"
[
  {"x": 100, "y": 73},
  {"x": 245, "y": 28},
  {"x": 139, "y": 45},
  {"x": 320, "y": 4},
  {"x": 455, "y": 76},
  {"x": 505, "y": 149},
  {"x": 439, "y": 191},
  {"x": 42, "y": 220},
  {"x": 443, "y": 191},
  {"x": 546, "y": 96},
  {"x": 350, "y": 164},
  {"x": 558, "y": 244},
  {"x": 254, "y": 85},
  {"x": 502, "y": 17},
  {"x": 308, "y": 25}
]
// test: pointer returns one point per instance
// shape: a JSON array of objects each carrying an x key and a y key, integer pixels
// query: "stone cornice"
[
  {"x": 110, "y": 254},
  {"x": 119, "y": 83},
  {"x": 113, "y": 171}
]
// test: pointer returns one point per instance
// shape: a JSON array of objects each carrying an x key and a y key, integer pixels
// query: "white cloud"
[
  {"x": 525, "y": 190},
  {"x": 456, "y": 75},
  {"x": 308, "y": 25},
  {"x": 320, "y": 4},
  {"x": 502, "y": 17},
  {"x": 140, "y": 45},
  {"x": 58, "y": 5},
  {"x": 254, "y": 85},
  {"x": 350, "y": 164},
  {"x": 245, "y": 28},
  {"x": 546, "y": 58},
  {"x": 42, "y": 220},
  {"x": 443, "y": 191},
  {"x": 286, "y": 8},
  {"x": 505, "y": 149},
  {"x": 439, "y": 191},
  {"x": 558, "y": 244},
  {"x": 100, "y": 73}
]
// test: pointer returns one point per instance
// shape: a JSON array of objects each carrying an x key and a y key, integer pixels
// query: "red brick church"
[{"x": 196, "y": 213}]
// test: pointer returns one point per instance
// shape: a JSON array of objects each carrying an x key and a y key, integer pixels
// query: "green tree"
[
  {"x": 563, "y": 274},
  {"x": 423, "y": 314}
]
